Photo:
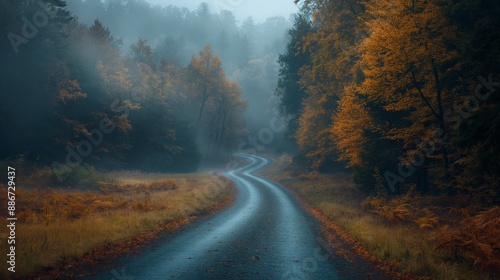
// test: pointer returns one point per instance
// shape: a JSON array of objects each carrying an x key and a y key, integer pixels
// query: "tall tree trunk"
[
  {"x": 441, "y": 119},
  {"x": 209, "y": 142},
  {"x": 223, "y": 130},
  {"x": 203, "y": 102}
]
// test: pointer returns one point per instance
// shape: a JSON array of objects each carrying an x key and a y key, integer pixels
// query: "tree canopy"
[{"x": 397, "y": 88}]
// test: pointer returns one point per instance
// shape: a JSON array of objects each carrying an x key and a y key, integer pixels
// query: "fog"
[
  {"x": 260, "y": 10},
  {"x": 175, "y": 80},
  {"x": 384, "y": 117},
  {"x": 248, "y": 46}
]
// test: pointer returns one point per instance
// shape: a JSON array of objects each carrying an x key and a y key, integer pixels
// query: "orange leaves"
[
  {"x": 144, "y": 205},
  {"x": 333, "y": 56},
  {"x": 372, "y": 203},
  {"x": 206, "y": 70},
  {"x": 122, "y": 123},
  {"x": 48, "y": 206},
  {"x": 217, "y": 99},
  {"x": 27, "y": 216},
  {"x": 76, "y": 209},
  {"x": 402, "y": 209},
  {"x": 429, "y": 220},
  {"x": 70, "y": 90},
  {"x": 394, "y": 213},
  {"x": 401, "y": 53},
  {"x": 349, "y": 124},
  {"x": 479, "y": 235},
  {"x": 116, "y": 77},
  {"x": 164, "y": 185}
]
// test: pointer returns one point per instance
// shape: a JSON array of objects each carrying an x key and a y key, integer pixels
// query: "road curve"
[{"x": 264, "y": 235}]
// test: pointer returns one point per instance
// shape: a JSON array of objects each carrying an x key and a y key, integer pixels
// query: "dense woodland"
[
  {"x": 123, "y": 84},
  {"x": 403, "y": 93},
  {"x": 400, "y": 94}
]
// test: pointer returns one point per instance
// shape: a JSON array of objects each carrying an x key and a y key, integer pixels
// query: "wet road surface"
[{"x": 264, "y": 235}]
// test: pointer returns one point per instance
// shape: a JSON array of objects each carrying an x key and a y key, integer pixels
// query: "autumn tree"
[
  {"x": 69, "y": 97},
  {"x": 218, "y": 101},
  {"x": 336, "y": 33},
  {"x": 402, "y": 88},
  {"x": 206, "y": 72},
  {"x": 105, "y": 80},
  {"x": 404, "y": 60},
  {"x": 224, "y": 115}
]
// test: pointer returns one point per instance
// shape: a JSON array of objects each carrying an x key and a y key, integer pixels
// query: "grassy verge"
[
  {"x": 411, "y": 248},
  {"x": 61, "y": 225}
]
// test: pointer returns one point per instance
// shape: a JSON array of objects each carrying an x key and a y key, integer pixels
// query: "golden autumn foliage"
[
  {"x": 70, "y": 90},
  {"x": 332, "y": 57},
  {"x": 387, "y": 59},
  {"x": 218, "y": 102},
  {"x": 404, "y": 209},
  {"x": 206, "y": 72},
  {"x": 428, "y": 219},
  {"x": 313, "y": 135},
  {"x": 49, "y": 205},
  {"x": 402, "y": 60},
  {"x": 349, "y": 125},
  {"x": 393, "y": 87},
  {"x": 478, "y": 235}
]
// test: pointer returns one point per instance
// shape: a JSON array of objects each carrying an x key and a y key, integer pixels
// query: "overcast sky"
[{"x": 260, "y": 10}]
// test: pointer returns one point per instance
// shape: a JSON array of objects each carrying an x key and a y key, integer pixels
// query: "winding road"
[{"x": 264, "y": 235}]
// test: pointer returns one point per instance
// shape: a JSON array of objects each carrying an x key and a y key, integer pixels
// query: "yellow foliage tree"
[
  {"x": 403, "y": 61},
  {"x": 350, "y": 122},
  {"x": 206, "y": 72},
  {"x": 333, "y": 57}
]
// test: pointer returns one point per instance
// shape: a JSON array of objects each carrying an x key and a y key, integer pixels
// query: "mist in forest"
[
  {"x": 248, "y": 49},
  {"x": 134, "y": 84}
]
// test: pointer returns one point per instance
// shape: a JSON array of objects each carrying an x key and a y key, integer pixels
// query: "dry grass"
[
  {"x": 60, "y": 225},
  {"x": 413, "y": 248}
]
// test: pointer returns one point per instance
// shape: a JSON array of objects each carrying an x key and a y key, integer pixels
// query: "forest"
[
  {"x": 399, "y": 92},
  {"x": 383, "y": 115},
  {"x": 160, "y": 93},
  {"x": 404, "y": 96}
]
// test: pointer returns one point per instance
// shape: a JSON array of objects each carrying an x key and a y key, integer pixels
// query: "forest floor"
[
  {"x": 59, "y": 228},
  {"x": 418, "y": 235}
]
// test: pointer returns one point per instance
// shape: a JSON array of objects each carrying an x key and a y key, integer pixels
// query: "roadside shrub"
[
  {"x": 427, "y": 219},
  {"x": 478, "y": 235},
  {"x": 82, "y": 176},
  {"x": 401, "y": 209}
]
